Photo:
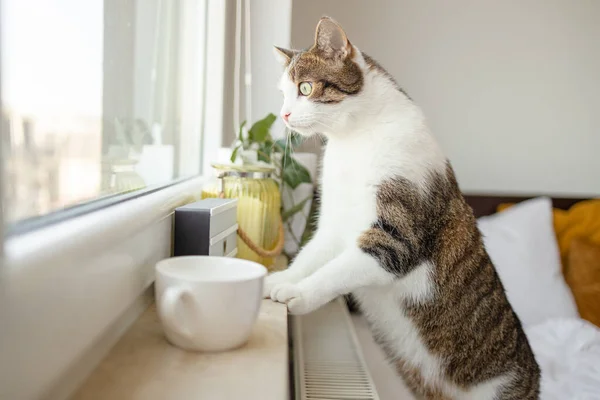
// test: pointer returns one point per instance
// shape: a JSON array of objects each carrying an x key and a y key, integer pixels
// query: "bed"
[{"x": 532, "y": 256}]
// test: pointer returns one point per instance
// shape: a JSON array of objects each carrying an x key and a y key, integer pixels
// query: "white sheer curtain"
[{"x": 242, "y": 64}]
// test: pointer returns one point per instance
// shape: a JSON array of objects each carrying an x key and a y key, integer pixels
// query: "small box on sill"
[{"x": 207, "y": 227}]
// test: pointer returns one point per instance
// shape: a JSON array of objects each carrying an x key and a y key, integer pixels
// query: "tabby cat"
[{"x": 396, "y": 233}]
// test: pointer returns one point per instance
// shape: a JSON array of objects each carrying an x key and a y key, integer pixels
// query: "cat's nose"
[{"x": 286, "y": 116}]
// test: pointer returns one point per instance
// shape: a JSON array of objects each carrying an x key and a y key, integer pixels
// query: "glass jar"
[{"x": 260, "y": 233}]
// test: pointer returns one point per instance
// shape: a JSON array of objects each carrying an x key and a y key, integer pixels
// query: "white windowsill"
[
  {"x": 144, "y": 365},
  {"x": 64, "y": 288}
]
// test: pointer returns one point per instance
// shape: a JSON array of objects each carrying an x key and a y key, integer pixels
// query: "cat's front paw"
[
  {"x": 292, "y": 295},
  {"x": 275, "y": 279}
]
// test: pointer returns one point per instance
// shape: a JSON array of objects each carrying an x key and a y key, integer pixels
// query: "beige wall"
[{"x": 511, "y": 88}]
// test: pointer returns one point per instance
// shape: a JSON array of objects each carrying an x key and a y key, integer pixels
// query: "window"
[
  {"x": 96, "y": 94},
  {"x": 99, "y": 98}
]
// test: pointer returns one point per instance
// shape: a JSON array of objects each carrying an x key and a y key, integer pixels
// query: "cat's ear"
[
  {"x": 331, "y": 39},
  {"x": 284, "y": 56}
]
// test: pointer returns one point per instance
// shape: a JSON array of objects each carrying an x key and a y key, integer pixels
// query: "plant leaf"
[
  {"x": 294, "y": 173},
  {"x": 290, "y": 212},
  {"x": 234, "y": 154},
  {"x": 260, "y": 130},
  {"x": 264, "y": 152},
  {"x": 241, "y": 132},
  {"x": 282, "y": 144},
  {"x": 294, "y": 140},
  {"x": 311, "y": 220}
]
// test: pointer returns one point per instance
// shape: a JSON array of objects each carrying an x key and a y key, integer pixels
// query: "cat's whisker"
[{"x": 326, "y": 125}]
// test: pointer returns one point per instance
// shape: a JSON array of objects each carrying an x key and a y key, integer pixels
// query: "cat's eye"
[{"x": 305, "y": 88}]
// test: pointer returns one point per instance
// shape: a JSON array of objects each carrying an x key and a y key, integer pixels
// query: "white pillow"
[{"x": 522, "y": 245}]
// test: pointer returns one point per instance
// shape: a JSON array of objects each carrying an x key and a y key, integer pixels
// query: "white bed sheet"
[{"x": 568, "y": 352}]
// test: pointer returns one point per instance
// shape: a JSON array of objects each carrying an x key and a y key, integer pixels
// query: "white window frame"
[{"x": 69, "y": 290}]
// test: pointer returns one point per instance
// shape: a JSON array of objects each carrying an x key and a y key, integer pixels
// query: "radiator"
[{"x": 328, "y": 360}]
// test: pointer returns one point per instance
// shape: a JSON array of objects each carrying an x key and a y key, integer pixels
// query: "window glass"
[{"x": 93, "y": 97}]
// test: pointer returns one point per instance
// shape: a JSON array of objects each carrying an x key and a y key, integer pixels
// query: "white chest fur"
[
  {"x": 355, "y": 165},
  {"x": 352, "y": 170},
  {"x": 348, "y": 196}
]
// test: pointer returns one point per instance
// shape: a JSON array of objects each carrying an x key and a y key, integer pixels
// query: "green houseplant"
[{"x": 289, "y": 173}]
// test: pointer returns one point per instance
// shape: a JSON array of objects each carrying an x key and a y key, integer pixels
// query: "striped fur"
[{"x": 469, "y": 322}]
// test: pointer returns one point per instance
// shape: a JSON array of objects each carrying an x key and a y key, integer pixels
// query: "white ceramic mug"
[{"x": 208, "y": 303}]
